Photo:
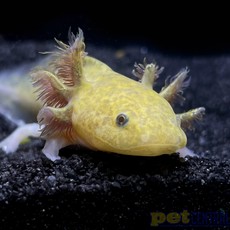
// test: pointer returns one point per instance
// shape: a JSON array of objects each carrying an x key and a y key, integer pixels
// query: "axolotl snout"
[{"x": 85, "y": 102}]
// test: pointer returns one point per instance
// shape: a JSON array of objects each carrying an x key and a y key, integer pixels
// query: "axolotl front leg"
[{"x": 11, "y": 143}]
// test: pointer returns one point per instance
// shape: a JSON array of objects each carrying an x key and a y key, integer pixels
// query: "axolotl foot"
[
  {"x": 186, "y": 152},
  {"x": 52, "y": 147}
]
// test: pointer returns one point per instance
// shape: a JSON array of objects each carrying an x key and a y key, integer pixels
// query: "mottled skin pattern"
[
  {"x": 148, "y": 112},
  {"x": 85, "y": 102}
]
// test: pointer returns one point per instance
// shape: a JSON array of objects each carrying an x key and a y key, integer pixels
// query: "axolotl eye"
[{"x": 122, "y": 120}]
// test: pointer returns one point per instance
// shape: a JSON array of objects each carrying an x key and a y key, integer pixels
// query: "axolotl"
[{"x": 82, "y": 101}]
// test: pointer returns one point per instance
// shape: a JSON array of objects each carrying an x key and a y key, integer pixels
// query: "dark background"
[
  {"x": 189, "y": 28},
  {"x": 101, "y": 191}
]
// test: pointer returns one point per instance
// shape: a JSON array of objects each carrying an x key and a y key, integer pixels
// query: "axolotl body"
[{"x": 83, "y": 101}]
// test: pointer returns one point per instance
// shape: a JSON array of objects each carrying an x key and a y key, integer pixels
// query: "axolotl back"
[{"x": 85, "y": 102}]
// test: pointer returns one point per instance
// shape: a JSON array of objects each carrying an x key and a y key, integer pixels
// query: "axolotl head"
[{"x": 122, "y": 116}]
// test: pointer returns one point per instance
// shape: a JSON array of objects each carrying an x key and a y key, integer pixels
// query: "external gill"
[
  {"x": 50, "y": 89},
  {"x": 67, "y": 63},
  {"x": 55, "y": 86},
  {"x": 172, "y": 91},
  {"x": 147, "y": 73},
  {"x": 174, "y": 86},
  {"x": 188, "y": 118},
  {"x": 57, "y": 122}
]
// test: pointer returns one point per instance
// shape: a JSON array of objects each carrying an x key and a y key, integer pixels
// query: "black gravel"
[{"x": 95, "y": 190}]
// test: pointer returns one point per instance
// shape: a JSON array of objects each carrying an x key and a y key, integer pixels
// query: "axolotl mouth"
[{"x": 147, "y": 145}]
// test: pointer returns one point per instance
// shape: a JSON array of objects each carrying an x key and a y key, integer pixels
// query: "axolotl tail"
[{"x": 17, "y": 98}]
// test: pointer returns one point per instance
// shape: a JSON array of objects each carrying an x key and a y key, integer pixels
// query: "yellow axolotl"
[{"x": 85, "y": 102}]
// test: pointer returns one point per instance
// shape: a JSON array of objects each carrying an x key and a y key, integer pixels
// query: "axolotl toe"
[{"x": 85, "y": 102}]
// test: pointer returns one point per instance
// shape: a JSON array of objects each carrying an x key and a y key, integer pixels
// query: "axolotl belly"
[{"x": 85, "y": 102}]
